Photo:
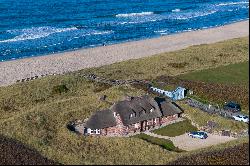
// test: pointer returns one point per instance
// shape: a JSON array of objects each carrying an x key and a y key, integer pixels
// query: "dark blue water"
[{"x": 39, "y": 27}]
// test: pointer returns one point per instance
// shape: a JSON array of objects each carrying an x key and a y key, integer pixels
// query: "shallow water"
[{"x": 39, "y": 27}]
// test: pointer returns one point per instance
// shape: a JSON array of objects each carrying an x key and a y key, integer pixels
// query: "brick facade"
[{"x": 122, "y": 130}]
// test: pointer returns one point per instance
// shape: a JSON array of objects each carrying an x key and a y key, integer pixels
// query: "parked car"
[
  {"x": 198, "y": 134},
  {"x": 242, "y": 118},
  {"x": 232, "y": 106}
]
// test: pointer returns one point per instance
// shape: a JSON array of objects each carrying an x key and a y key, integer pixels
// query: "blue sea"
[{"x": 39, "y": 27}]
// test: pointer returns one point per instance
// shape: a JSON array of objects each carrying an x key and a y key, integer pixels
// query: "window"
[{"x": 97, "y": 131}]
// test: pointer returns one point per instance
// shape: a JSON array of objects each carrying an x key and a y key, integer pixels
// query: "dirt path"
[{"x": 187, "y": 143}]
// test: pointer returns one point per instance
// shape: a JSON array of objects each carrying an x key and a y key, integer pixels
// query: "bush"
[{"x": 59, "y": 89}]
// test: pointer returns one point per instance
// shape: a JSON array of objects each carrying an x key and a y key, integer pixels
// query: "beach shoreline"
[{"x": 58, "y": 63}]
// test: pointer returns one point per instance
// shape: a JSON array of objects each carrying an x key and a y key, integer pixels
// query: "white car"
[
  {"x": 242, "y": 118},
  {"x": 198, "y": 134}
]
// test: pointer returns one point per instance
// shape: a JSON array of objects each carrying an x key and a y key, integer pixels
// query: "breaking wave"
[
  {"x": 34, "y": 33},
  {"x": 232, "y": 3},
  {"x": 190, "y": 15},
  {"x": 176, "y": 10},
  {"x": 134, "y": 14}
]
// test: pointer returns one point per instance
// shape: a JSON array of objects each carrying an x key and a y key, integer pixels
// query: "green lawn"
[
  {"x": 164, "y": 143},
  {"x": 176, "y": 129},
  {"x": 230, "y": 74}
]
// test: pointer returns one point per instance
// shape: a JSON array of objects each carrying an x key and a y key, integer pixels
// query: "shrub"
[{"x": 60, "y": 89}]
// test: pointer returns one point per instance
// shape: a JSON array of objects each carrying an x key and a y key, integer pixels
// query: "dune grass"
[
  {"x": 175, "y": 63},
  {"x": 37, "y": 112},
  {"x": 176, "y": 129},
  {"x": 235, "y": 74},
  {"x": 44, "y": 107}
]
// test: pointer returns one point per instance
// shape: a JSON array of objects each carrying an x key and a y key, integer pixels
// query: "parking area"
[{"x": 188, "y": 143}]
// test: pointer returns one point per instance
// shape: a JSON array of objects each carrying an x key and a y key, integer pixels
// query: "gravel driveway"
[{"x": 188, "y": 143}]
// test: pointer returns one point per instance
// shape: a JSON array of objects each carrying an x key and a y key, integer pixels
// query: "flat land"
[{"x": 12, "y": 71}]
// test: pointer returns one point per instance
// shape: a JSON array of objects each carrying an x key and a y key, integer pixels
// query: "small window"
[{"x": 97, "y": 131}]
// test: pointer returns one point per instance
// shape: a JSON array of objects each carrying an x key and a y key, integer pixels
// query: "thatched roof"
[
  {"x": 133, "y": 110},
  {"x": 101, "y": 119},
  {"x": 137, "y": 109}
]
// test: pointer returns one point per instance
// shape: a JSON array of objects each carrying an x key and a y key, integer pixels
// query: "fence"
[{"x": 209, "y": 108}]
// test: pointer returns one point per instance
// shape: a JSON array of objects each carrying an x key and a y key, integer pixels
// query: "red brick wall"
[
  {"x": 120, "y": 129},
  {"x": 167, "y": 119}
]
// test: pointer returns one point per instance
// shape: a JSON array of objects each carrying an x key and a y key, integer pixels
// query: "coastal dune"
[{"x": 11, "y": 71}]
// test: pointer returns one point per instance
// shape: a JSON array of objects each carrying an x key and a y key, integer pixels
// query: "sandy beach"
[{"x": 11, "y": 71}]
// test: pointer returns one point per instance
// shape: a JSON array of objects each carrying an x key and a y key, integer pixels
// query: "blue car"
[{"x": 198, "y": 134}]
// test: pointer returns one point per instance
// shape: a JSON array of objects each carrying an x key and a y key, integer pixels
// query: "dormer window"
[
  {"x": 132, "y": 115},
  {"x": 152, "y": 109}
]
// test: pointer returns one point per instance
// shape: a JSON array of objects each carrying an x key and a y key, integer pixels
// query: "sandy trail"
[{"x": 11, "y": 71}]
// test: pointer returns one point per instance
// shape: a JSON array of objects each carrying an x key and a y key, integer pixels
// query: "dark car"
[{"x": 232, "y": 106}]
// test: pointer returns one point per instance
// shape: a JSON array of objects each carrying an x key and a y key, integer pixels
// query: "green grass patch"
[
  {"x": 176, "y": 129},
  {"x": 164, "y": 143},
  {"x": 237, "y": 74}
]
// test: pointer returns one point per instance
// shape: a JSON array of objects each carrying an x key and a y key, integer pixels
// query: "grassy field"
[
  {"x": 176, "y": 129},
  {"x": 166, "y": 144},
  {"x": 235, "y": 74},
  {"x": 37, "y": 112}
]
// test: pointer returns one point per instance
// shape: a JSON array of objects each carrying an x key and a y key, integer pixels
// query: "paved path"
[{"x": 188, "y": 143}]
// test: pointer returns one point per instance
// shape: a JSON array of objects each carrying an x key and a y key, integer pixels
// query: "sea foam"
[
  {"x": 134, "y": 14},
  {"x": 191, "y": 15},
  {"x": 232, "y": 3},
  {"x": 34, "y": 33}
]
